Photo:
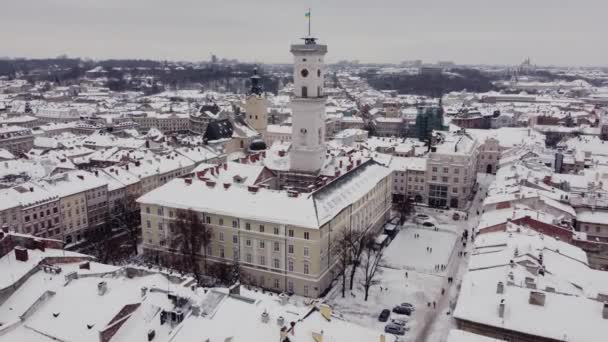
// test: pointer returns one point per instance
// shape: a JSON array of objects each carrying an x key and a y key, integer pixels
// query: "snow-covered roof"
[
  {"x": 456, "y": 335},
  {"x": 305, "y": 210},
  {"x": 569, "y": 285}
]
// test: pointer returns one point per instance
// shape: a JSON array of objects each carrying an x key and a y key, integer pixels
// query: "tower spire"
[{"x": 256, "y": 88}]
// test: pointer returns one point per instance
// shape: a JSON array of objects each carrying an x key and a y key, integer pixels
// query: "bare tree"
[
  {"x": 405, "y": 208},
  {"x": 357, "y": 245},
  {"x": 342, "y": 251},
  {"x": 126, "y": 216},
  {"x": 189, "y": 237},
  {"x": 372, "y": 255},
  {"x": 102, "y": 244}
]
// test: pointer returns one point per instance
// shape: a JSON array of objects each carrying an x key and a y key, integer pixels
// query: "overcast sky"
[{"x": 561, "y": 32}]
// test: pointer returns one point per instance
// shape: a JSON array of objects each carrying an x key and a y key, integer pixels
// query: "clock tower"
[{"x": 308, "y": 107}]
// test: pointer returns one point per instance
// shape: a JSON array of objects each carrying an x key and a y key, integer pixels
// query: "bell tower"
[
  {"x": 256, "y": 107},
  {"x": 308, "y": 107}
]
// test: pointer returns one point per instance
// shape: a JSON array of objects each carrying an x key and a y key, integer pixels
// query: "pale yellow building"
[{"x": 282, "y": 240}]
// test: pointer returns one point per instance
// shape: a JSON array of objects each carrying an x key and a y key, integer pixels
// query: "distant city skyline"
[{"x": 390, "y": 31}]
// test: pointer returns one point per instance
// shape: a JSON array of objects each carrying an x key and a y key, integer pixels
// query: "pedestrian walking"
[
  {"x": 442, "y": 291},
  {"x": 433, "y": 305},
  {"x": 405, "y": 275}
]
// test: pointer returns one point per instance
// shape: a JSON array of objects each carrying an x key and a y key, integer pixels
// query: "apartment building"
[
  {"x": 16, "y": 139},
  {"x": 83, "y": 202},
  {"x": 409, "y": 178},
  {"x": 38, "y": 211},
  {"x": 281, "y": 239},
  {"x": 451, "y": 169},
  {"x": 166, "y": 123}
]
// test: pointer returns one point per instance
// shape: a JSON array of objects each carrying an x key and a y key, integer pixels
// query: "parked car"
[
  {"x": 408, "y": 305},
  {"x": 420, "y": 218},
  {"x": 402, "y": 310},
  {"x": 384, "y": 315},
  {"x": 428, "y": 224},
  {"x": 394, "y": 329},
  {"x": 399, "y": 321}
]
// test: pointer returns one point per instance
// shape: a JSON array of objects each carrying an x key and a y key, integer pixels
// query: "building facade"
[{"x": 16, "y": 139}]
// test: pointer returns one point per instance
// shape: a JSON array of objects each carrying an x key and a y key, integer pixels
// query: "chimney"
[
  {"x": 21, "y": 254},
  {"x": 605, "y": 311},
  {"x": 102, "y": 288},
  {"x": 325, "y": 311},
  {"x": 340, "y": 163},
  {"x": 96, "y": 173},
  {"x": 127, "y": 167},
  {"x": 188, "y": 181},
  {"x": 337, "y": 174},
  {"x": 537, "y": 298},
  {"x": 500, "y": 287},
  {"x": 225, "y": 166},
  {"x": 358, "y": 162},
  {"x": 501, "y": 309},
  {"x": 253, "y": 189},
  {"x": 226, "y": 185},
  {"x": 31, "y": 189}
]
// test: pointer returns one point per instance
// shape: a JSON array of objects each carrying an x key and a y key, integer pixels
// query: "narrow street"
[{"x": 440, "y": 321}]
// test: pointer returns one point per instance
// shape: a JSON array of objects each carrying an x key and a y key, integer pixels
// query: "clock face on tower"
[{"x": 304, "y": 73}]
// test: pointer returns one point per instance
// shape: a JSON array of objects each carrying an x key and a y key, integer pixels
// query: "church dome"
[{"x": 257, "y": 145}]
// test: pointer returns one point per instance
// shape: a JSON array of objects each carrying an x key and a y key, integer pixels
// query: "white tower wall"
[{"x": 308, "y": 107}]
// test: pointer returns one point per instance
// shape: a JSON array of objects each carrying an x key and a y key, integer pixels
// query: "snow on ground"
[
  {"x": 418, "y": 289},
  {"x": 407, "y": 252},
  {"x": 422, "y": 286}
]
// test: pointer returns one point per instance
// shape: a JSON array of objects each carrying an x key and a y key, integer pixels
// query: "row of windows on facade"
[
  {"x": 447, "y": 170},
  {"x": 40, "y": 214},
  {"x": 276, "y": 246},
  {"x": 276, "y": 262},
  {"x": 290, "y": 285},
  {"x": 597, "y": 228},
  {"x": 92, "y": 194},
  {"x": 34, "y": 227},
  {"x": 235, "y": 224},
  {"x": 446, "y": 179}
]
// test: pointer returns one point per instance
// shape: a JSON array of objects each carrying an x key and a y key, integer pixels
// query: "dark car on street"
[
  {"x": 384, "y": 315},
  {"x": 402, "y": 310},
  {"x": 394, "y": 329}
]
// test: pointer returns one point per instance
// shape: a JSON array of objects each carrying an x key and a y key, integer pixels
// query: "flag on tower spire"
[{"x": 307, "y": 15}]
